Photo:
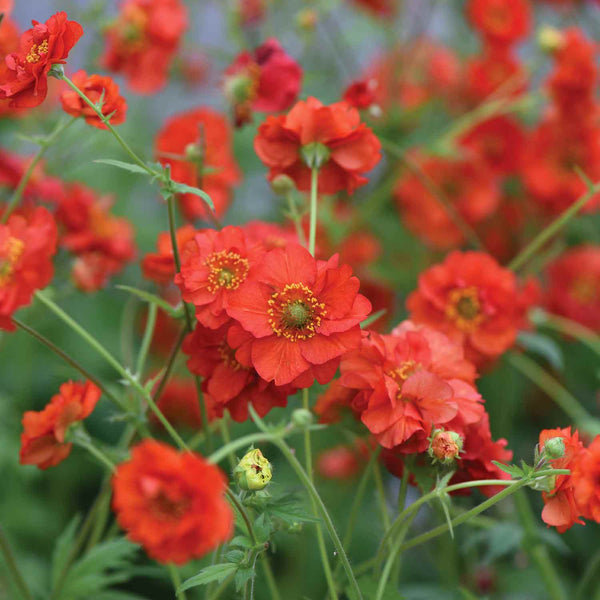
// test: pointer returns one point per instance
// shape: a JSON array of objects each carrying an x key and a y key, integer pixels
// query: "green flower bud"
[
  {"x": 445, "y": 446},
  {"x": 253, "y": 472},
  {"x": 554, "y": 447},
  {"x": 550, "y": 39},
  {"x": 302, "y": 417},
  {"x": 283, "y": 185}
]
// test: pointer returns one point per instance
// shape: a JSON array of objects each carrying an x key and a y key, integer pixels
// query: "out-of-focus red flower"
[
  {"x": 102, "y": 242},
  {"x": 226, "y": 382},
  {"x": 552, "y": 152},
  {"x": 499, "y": 142},
  {"x": 474, "y": 301},
  {"x": 250, "y": 12},
  {"x": 346, "y": 148},
  {"x": 560, "y": 509},
  {"x": 266, "y": 80},
  {"x": 43, "y": 439},
  {"x": 408, "y": 383},
  {"x": 269, "y": 235},
  {"x": 197, "y": 146},
  {"x": 585, "y": 474},
  {"x": 27, "y": 245},
  {"x": 95, "y": 87},
  {"x": 300, "y": 315},
  {"x": 331, "y": 403},
  {"x": 172, "y": 503},
  {"x": 500, "y": 21},
  {"x": 215, "y": 264},
  {"x": 339, "y": 462},
  {"x": 380, "y": 8},
  {"x": 361, "y": 93},
  {"x": 160, "y": 266},
  {"x": 9, "y": 43},
  {"x": 142, "y": 41},
  {"x": 574, "y": 286},
  {"x": 25, "y": 81},
  {"x": 469, "y": 186}
]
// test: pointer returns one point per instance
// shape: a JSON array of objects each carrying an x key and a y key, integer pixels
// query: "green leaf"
[
  {"x": 213, "y": 573},
  {"x": 262, "y": 528},
  {"x": 372, "y": 318},
  {"x": 242, "y": 576},
  {"x": 62, "y": 549},
  {"x": 242, "y": 541},
  {"x": 153, "y": 299},
  {"x": 445, "y": 502},
  {"x": 514, "y": 471},
  {"x": 235, "y": 556},
  {"x": 543, "y": 346},
  {"x": 292, "y": 514},
  {"x": 503, "y": 539},
  {"x": 182, "y": 188},
  {"x": 131, "y": 167}
]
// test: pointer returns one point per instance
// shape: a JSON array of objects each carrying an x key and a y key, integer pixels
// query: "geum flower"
[
  {"x": 311, "y": 134},
  {"x": 25, "y": 81},
  {"x": 300, "y": 315}
]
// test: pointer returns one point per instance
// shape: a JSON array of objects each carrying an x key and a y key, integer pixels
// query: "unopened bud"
[
  {"x": 283, "y": 185},
  {"x": 253, "y": 472},
  {"x": 550, "y": 39},
  {"x": 307, "y": 19},
  {"x": 302, "y": 417},
  {"x": 193, "y": 153},
  {"x": 554, "y": 447},
  {"x": 445, "y": 446}
]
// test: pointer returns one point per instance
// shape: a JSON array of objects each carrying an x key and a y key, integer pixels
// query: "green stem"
[
  {"x": 569, "y": 328},
  {"x": 82, "y": 439},
  {"x": 111, "y": 361},
  {"x": 552, "y": 229},
  {"x": 590, "y": 572},
  {"x": 536, "y": 550},
  {"x": 44, "y": 145},
  {"x": 314, "y": 192},
  {"x": 170, "y": 363},
  {"x": 296, "y": 218},
  {"x": 385, "y": 517},
  {"x": 106, "y": 121},
  {"x": 243, "y": 442},
  {"x": 271, "y": 583},
  {"x": 68, "y": 359},
  {"x": 222, "y": 587},
  {"x": 176, "y": 579},
  {"x": 242, "y": 511},
  {"x": 561, "y": 396},
  {"x": 13, "y": 569},
  {"x": 146, "y": 340}
]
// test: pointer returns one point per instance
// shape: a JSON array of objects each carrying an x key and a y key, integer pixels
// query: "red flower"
[
  {"x": 141, "y": 43},
  {"x": 347, "y": 147},
  {"x": 574, "y": 286},
  {"x": 266, "y": 80},
  {"x": 474, "y": 301},
  {"x": 95, "y": 87},
  {"x": 303, "y": 314},
  {"x": 197, "y": 145},
  {"x": 43, "y": 438},
  {"x": 226, "y": 382},
  {"x": 381, "y": 8},
  {"x": 26, "y": 249},
  {"x": 560, "y": 509},
  {"x": 585, "y": 475},
  {"x": 26, "y": 80},
  {"x": 339, "y": 462},
  {"x": 361, "y": 94},
  {"x": 160, "y": 266},
  {"x": 215, "y": 264},
  {"x": 172, "y": 503},
  {"x": 500, "y": 21},
  {"x": 410, "y": 382},
  {"x": 468, "y": 186}
]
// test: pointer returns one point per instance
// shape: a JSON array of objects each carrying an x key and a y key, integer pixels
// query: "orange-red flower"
[
  {"x": 25, "y": 81},
  {"x": 500, "y": 21},
  {"x": 226, "y": 382},
  {"x": 585, "y": 475},
  {"x": 380, "y": 8},
  {"x": 346, "y": 148},
  {"x": 172, "y": 503},
  {"x": 474, "y": 301},
  {"x": 560, "y": 509},
  {"x": 43, "y": 439},
  {"x": 574, "y": 286},
  {"x": 197, "y": 146},
  {"x": 95, "y": 87},
  {"x": 302, "y": 315},
  {"x": 215, "y": 264},
  {"x": 142, "y": 41},
  {"x": 27, "y": 245},
  {"x": 266, "y": 80}
]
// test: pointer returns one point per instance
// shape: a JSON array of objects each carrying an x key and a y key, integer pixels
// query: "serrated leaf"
[
  {"x": 62, "y": 548},
  {"x": 263, "y": 528},
  {"x": 543, "y": 346},
  {"x": 512, "y": 470},
  {"x": 131, "y": 167},
  {"x": 152, "y": 298},
  {"x": 242, "y": 576},
  {"x": 213, "y": 573},
  {"x": 182, "y": 188},
  {"x": 503, "y": 539},
  {"x": 235, "y": 556},
  {"x": 242, "y": 541},
  {"x": 293, "y": 515},
  {"x": 445, "y": 501}
]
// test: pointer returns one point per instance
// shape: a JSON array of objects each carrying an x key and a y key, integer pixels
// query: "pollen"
[
  {"x": 227, "y": 355},
  {"x": 464, "y": 308},
  {"x": 295, "y": 313},
  {"x": 36, "y": 52},
  {"x": 10, "y": 252},
  {"x": 227, "y": 270}
]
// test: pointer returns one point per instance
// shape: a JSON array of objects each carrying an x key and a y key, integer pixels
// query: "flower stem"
[
  {"x": 385, "y": 517},
  {"x": 44, "y": 145},
  {"x": 561, "y": 396},
  {"x": 95, "y": 452},
  {"x": 13, "y": 569},
  {"x": 170, "y": 363},
  {"x": 176, "y": 579},
  {"x": 314, "y": 193},
  {"x": 552, "y": 229},
  {"x": 146, "y": 340},
  {"x": 536, "y": 550}
]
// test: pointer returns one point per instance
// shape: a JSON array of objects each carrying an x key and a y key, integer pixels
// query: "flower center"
[
  {"x": 227, "y": 270},
  {"x": 227, "y": 355},
  {"x": 464, "y": 308},
  {"x": 10, "y": 252},
  {"x": 295, "y": 313},
  {"x": 585, "y": 290},
  {"x": 163, "y": 504},
  {"x": 36, "y": 52}
]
